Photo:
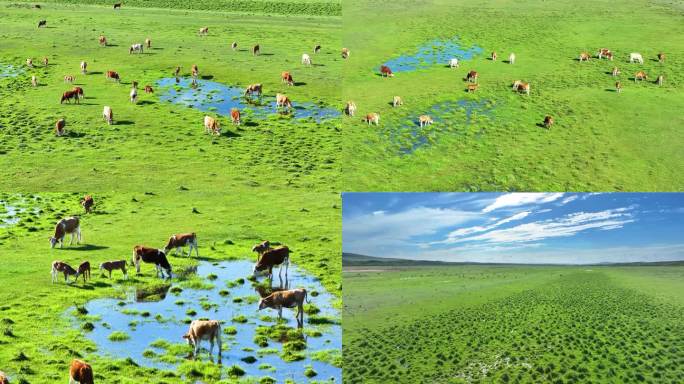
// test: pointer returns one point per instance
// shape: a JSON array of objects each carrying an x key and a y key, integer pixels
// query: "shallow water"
[
  {"x": 9, "y": 70},
  {"x": 432, "y": 53},
  {"x": 221, "y": 98},
  {"x": 9, "y": 215},
  {"x": 149, "y": 329}
]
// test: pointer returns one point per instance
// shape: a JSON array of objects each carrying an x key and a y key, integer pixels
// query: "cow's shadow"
[
  {"x": 95, "y": 73},
  {"x": 611, "y": 90},
  {"x": 146, "y": 102},
  {"x": 124, "y": 122},
  {"x": 299, "y": 83},
  {"x": 88, "y": 247},
  {"x": 207, "y": 77},
  {"x": 73, "y": 134},
  {"x": 230, "y": 134}
]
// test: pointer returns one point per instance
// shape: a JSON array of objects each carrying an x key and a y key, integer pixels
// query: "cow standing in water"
[
  {"x": 253, "y": 89},
  {"x": 152, "y": 256},
  {"x": 287, "y": 299},
  {"x": 180, "y": 240},
  {"x": 69, "y": 225},
  {"x": 261, "y": 248},
  {"x": 81, "y": 372},
  {"x": 204, "y": 330},
  {"x": 273, "y": 257}
]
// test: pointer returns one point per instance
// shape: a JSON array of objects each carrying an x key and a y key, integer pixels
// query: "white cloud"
[
  {"x": 453, "y": 235},
  {"x": 518, "y": 199},
  {"x": 569, "y": 199}
]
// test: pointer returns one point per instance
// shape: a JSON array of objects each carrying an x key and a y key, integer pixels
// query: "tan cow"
[
  {"x": 45, "y": 61},
  {"x": 178, "y": 241},
  {"x": 194, "y": 70},
  {"x": 618, "y": 87},
  {"x": 212, "y": 125},
  {"x": 472, "y": 87},
  {"x": 29, "y": 63},
  {"x": 615, "y": 72},
  {"x": 34, "y": 81},
  {"x": 203, "y": 31},
  {"x": 424, "y": 120},
  {"x": 102, "y": 40},
  {"x": 68, "y": 226},
  {"x": 372, "y": 118},
  {"x": 108, "y": 115},
  {"x": 661, "y": 57},
  {"x": 80, "y": 372},
  {"x": 286, "y": 77},
  {"x": 287, "y": 299},
  {"x": 584, "y": 56},
  {"x": 84, "y": 67},
  {"x": 493, "y": 56},
  {"x": 148, "y": 43},
  {"x": 660, "y": 80},
  {"x": 283, "y": 101},
  {"x": 345, "y": 53},
  {"x": 69, "y": 79},
  {"x": 396, "y": 101},
  {"x": 148, "y": 89},
  {"x": 641, "y": 75},
  {"x": 350, "y": 108},
  {"x": 204, "y": 330},
  {"x": 253, "y": 89},
  {"x": 59, "y": 127}
]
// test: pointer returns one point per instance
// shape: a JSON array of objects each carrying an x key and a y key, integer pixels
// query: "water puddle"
[
  {"x": 9, "y": 214},
  {"x": 435, "y": 52},
  {"x": 220, "y": 98},
  {"x": 153, "y": 322},
  {"x": 9, "y": 70}
]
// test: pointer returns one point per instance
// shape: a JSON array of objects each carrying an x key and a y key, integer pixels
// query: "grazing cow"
[
  {"x": 84, "y": 270},
  {"x": 108, "y": 115},
  {"x": 286, "y": 77},
  {"x": 203, "y": 31},
  {"x": 117, "y": 5},
  {"x": 178, "y": 241},
  {"x": 261, "y": 248},
  {"x": 317, "y": 48},
  {"x": 113, "y": 75},
  {"x": 641, "y": 75},
  {"x": 212, "y": 126},
  {"x": 306, "y": 59},
  {"x": 87, "y": 203},
  {"x": 272, "y": 258},
  {"x": 345, "y": 53},
  {"x": 511, "y": 58},
  {"x": 69, "y": 79},
  {"x": 618, "y": 87},
  {"x": 287, "y": 299},
  {"x": 135, "y": 48},
  {"x": 42, "y": 23},
  {"x": 134, "y": 95},
  {"x": 372, "y": 118},
  {"x": 148, "y": 43},
  {"x": 424, "y": 120},
  {"x": 62, "y": 267},
  {"x": 204, "y": 330},
  {"x": 45, "y": 61},
  {"x": 148, "y": 89},
  {"x": 548, "y": 121},
  {"x": 520, "y": 86},
  {"x": 29, "y": 63},
  {"x": 605, "y": 52},
  {"x": 34, "y": 81},
  {"x": 256, "y": 50},
  {"x": 616, "y": 72},
  {"x": 493, "y": 56},
  {"x": 235, "y": 116},
  {"x": 385, "y": 71},
  {"x": 103, "y": 40},
  {"x": 661, "y": 57},
  {"x": 283, "y": 101},
  {"x": 472, "y": 87},
  {"x": 253, "y": 89},
  {"x": 472, "y": 76},
  {"x": 152, "y": 256},
  {"x": 453, "y": 63},
  {"x": 584, "y": 56},
  {"x": 3, "y": 376},
  {"x": 234, "y": 45},
  {"x": 194, "y": 71},
  {"x": 177, "y": 71},
  {"x": 80, "y": 372},
  {"x": 59, "y": 127},
  {"x": 79, "y": 91},
  {"x": 84, "y": 67},
  {"x": 350, "y": 108},
  {"x": 109, "y": 266},
  {"x": 70, "y": 225},
  {"x": 396, "y": 101},
  {"x": 636, "y": 57},
  {"x": 68, "y": 95},
  {"x": 660, "y": 80}
]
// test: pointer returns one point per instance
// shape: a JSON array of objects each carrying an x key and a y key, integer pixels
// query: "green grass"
[
  {"x": 514, "y": 324},
  {"x": 602, "y": 141}
]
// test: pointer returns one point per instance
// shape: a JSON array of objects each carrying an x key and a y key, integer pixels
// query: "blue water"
[
  {"x": 221, "y": 98},
  {"x": 9, "y": 70},
  {"x": 148, "y": 330},
  {"x": 432, "y": 53}
]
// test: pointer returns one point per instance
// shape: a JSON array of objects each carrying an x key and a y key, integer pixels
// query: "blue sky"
[{"x": 576, "y": 228}]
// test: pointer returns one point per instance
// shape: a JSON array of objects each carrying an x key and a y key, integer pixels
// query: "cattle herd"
[
  {"x": 267, "y": 258},
  {"x": 519, "y": 86}
]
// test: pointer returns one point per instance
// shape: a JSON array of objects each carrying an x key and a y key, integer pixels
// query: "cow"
[
  {"x": 62, "y": 267},
  {"x": 511, "y": 58},
  {"x": 472, "y": 87},
  {"x": 660, "y": 80},
  {"x": 424, "y": 120},
  {"x": 385, "y": 71},
  {"x": 109, "y": 266},
  {"x": 68, "y": 95},
  {"x": 69, "y": 79},
  {"x": 605, "y": 52},
  {"x": 397, "y": 101},
  {"x": 108, "y": 115},
  {"x": 204, "y": 330},
  {"x": 521, "y": 87},
  {"x": 203, "y": 31},
  {"x": 79, "y": 91},
  {"x": 29, "y": 63},
  {"x": 84, "y": 67},
  {"x": 661, "y": 57},
  {"x": 261, "y": 248},
  {"x": 286, "y": 77},
  {"x": 148, "y": 89},
  {"x": 453, "y": 63},
  {"x": 641, "y": 75},
  {"x": 317, "y": 48},
  {"x": 112, "y": 75},
  {"x": 3, "y": 378},
  {"x": 83, "y": 270},
  {"x": 350, "y": 108},
  {"x": 81, "y": 372},
  {"x": 306, "y": 59},
  {"x": 34, "y": 81},
  {"x": 102, "y": 40},
  {"x": 148, "y": 43},
  {"x": 271, "y": 258},
  {"x": 117, "y": 5},
  {"x": 493, "y": 56},
  {"x": 180, "y": 240},
  {"x": 177, "y": 71},
  {"x": 134, "y": 95},
  {"x": 42, "y": 23},
  {"x": 152, "y": 256},
  {"x": 618, "y": 87},
  {"x": 194, "y": 70},
  {"x": 45, "y": 61},
  {"x": 287, "y": 299},
  {"x": 345, "y": 53},
  {"x": 548, "y": 122},
  {"x": 87, "y": 203},
  {"x": 212, "y": 126},
  {"x": 584, "y": 56},
  {"x": 472, "y": 76},
  {"x": 234, "y": 45},
  {"x": 616, "y": 72},
  {"x": 59, "y": 127},
  {"x": 636, "y": 57},
  {"x": 137, "y": 47},
  {"x": 256, "y": 50},
  {"x": 67, "y": 226},
  {"x": 372, "y": 118},
  {"x": 283, "y": 101},
  {"x": 235, "y": 116},
  {"x": 253, "y": 89}
]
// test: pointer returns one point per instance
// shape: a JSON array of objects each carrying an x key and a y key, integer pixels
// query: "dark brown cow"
[
  {"x": 69, "y": 225},
  {"x": 80, "y": 371},
  {"x": 42, "y": 23},
  {"x": 548, "y": 121},
  {"x": 79, "y": 91},
  {"x": 84, "y": 270},
  {"x": 286, "y": 78},
  {"x": 109, "y": 266},
  {"x": 272, "y": 258},
  {"x": 117, "y": 5},
  {"x": 87, "y": 203},
  {"x": 385, "y": 71},
  {"x": 472, "y": 76},
  {"x": 180, "y": 240},
  {"x": 152, "y": 256},
  {"x": 235, "y": 116},
  {"x": 287, "y": 299},
  {"x": 261, "y": 248},
  {"x": 68, "y": 95},
  {"x": 177, "y": 72},
  {"x": 62, "y": 267},
  {"x": 113, "y": 75},
  {"x": 59, "y": 127},
  {"x": 253, "y": 89},
  {"x": 256, "y": 50}
]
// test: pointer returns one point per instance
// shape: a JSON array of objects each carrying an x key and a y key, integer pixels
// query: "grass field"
[
  {"x": 525, "y": 324},
  {"x": 602, "y": 140}
]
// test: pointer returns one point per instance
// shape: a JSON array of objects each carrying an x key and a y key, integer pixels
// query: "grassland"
[
  {"x": 477, "y": 324},
  {"x": 602, "y": 141}
]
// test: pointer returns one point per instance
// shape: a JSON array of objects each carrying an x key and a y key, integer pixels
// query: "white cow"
[
  {"x": 636, "y": 57},
  {"x": 306, "y": 59},
  {"x": 511, "y": 58},
  {"x": 107, "y": 114},
  {"x": 134, "y": 95},
  {"x": 136, "y": 48},
  {"x": 84, "y": 67},
  {"x": 453, "y": 63}
]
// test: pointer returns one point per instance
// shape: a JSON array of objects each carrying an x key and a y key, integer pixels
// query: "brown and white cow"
[
  {"x": 350, "y": 108},
  {"x": 203, "y": 31},
  {"x": 212, "y": 126},
  {"x": 424, "y": 120},
  {"x": 385, "y": 71},
  {"x": 605, "y": 52},
  {"x": 59, "y": 127},
  {"x": 493, "y": 56},
  {"x": 661, "y": 57},
  {"x": 397, "y": 101},
  {"x": 87, "y": 203},
  {"x": 108, "y": 115},
  {"x": 271, "y": 258},
  {"x": 261, "y": 248},
  {"x": 204, "y": 330},
  {"x": 372, "y": 118},
  {"x": 67, "y": 226},
  {"x": 29, "y": 63},
  {"x": 286, "y": 77},
  {"x": 62, "y": 267},
  {"x": 178, "y": 241},
  {"x": 234, "y": 45},
  {"x": 84, "y": 67},
  {"x": 148, "y": 89},
  {"x": 81, "y": 372},
  {"x": 345, "y": 53},
  {"x": 317, "y": 48},
  {"x": 618, "y": 87},
  {"x": 287, "y": 299},
  {"x": 521, "y": 87},
  {"x": 283, "y": 101},
  {"x": 69, "y": 78},
  {"x": 548, "y": 121},
  {"x": 102, "y": 40},
  {"x": 3, "y": 378},
  {"x": 472, "y": 87},
  {"x": 641, "y": 75},
  {"x": 235, "y": 116},
  {"x": 472, "y": 76},
  {"x": 83, "y": 270},
  {"x": 45, "y": 61},
  {"x": 584, "y": 56},
  {"x": 194, "y": 71},
  {"x": 253, "y": 89},
  {"x": 256, "y": 50},
  {"x": 68, "y": 95},
  {"x": 109, "y": 266},
  {"x": 151, "y": 256},
  {"x": 112, "y": 75},
  {"x": 148, "y": 43}
]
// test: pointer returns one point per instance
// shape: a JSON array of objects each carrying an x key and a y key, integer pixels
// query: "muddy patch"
[{"x": 435, "y": 52}]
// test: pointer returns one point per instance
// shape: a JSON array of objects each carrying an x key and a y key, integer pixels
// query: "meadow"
[
  {"x": 493, "y": 139},
  {"x": 517, "y": 324}
]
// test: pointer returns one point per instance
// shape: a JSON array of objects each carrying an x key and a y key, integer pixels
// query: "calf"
[
  {"x": 661, "y": 57},
  {"x": 203, "y": 31},
  {"x": 59, "y": 127},
  {"x": 84, "y": 270},
  {"x": 286, "y": 78},
  {"x": 261, "y": 248},
  {"x": 453, "y": 63},
  {"x": 472, "y": 87},
  {"x": 372, "y": 118},
  {"x": 271, "y": 258},
  {"x": 548, "y": 121},
  {"x": 112, "y": 75},
  {"x": 511, "y": 58},
  {"x": 424, "y": 120},
  {"x": 80, "y": 372},
  {"x": 69, "y": 225},
  {"x": 385, "y": 71},
  {"x": 583, "y": 57},
  {"x": 283, "y": 101},
  {"x": 317, "y": 48},
  {"x": 62, "y": 267},
  {"x": 108, "y": 115},
  {"x": 234, "y": 45},
  {"x": 109, "y": 266},
  {"x": 42, "y": 23},
  {"x": 148, "y": 43},
  {"x": 29, "y": 63},
  {"x": 102, "y": 40},
  {"x": 204, "y": 330},
  {"x": 345, "y": 53},
  {"x": 84, "y": 67},
  {"x": 68, "y": 79},
  {"x": 180, "y": 240},
  {"x": 235, "y": 116},
  {"x": 636, "y": 57},
  {"x": 350, "y": 108},
  {"x": 306, "y": 59},
  {"x": 472, "y": 76},
  {"x": 212, "y": 126},
  {"x": 253, "y": 89},
  {"x": 287, "y": 299},
  {"x": 87, "y": 203},
  {"x": 68, "y": 95},
  {"x": 135, "y": 48},
  {"x": 152, "y": 256},
  {"x": 641, "y": 75},
  {"x": 396, "y": 101},
  {"x": 148, "y": 89},
  {"x": 256, "y": 50}
]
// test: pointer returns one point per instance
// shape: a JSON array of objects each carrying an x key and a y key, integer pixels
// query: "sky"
[{"x": 529, "y": 228}]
